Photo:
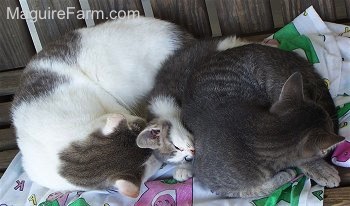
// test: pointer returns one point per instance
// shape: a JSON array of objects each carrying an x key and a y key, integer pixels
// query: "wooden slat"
[
  {"x": 192, "y": 15},
  {"x": 50, "y": 29},
  {"x": 114, "y": 5},
  {"x": 344, "y": 173},
  {"x": 9, "y": 81},
  {"x": 242, "y": 16},
  {"x": 5, "y": 113},
  {"x": 6, "y": 157},
  {"x": 7, "y": 139},
  {"x": 337, "y": 196},
  {"x": 16, "y": 46},
  {"x": 292, "y": 8},
  {"x": 347, "y": 3}
]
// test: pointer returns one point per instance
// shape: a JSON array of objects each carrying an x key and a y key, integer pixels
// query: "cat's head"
[
  {"x": 170, "y": 141},
  {"x": 312, "y": 126}
]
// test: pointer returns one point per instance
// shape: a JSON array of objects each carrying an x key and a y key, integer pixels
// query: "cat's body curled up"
[
  {"x": 73, "y": 111},
  {"x": 255, "y": 112}
]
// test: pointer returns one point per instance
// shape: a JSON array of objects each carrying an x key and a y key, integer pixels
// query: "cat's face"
[
  {"x": 170, "y": 141},
  {"x": 312, "y": 125}
]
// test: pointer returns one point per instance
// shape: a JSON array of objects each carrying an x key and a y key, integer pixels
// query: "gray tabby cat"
[
  {"x": 255, "y": 112},
  {"x": 248, "y": 131}
]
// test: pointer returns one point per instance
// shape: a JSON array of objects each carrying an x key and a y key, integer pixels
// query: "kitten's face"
[{"x": 170, "y": 141}]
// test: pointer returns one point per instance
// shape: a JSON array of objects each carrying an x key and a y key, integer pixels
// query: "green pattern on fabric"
[
  {"x": 79, "y": 202},
  {"x": 289, "y": 192},
  {"x": 290, "y": 39},
  {"x": 169, "y": 181},
  {"x": 50, "y": 203},
  {"x": 318, "y": 194},
  {"x": 342, "y": 111}
]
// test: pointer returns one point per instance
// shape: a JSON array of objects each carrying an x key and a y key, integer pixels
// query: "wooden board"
[
  {"x": 114, "y": 5},
  {"x": 7, "y": 139},
  {"x": 344, "y": 173},
  {"x": 192, "y": 15},
  {"x": 347, "y": 3},
  {"x": 6, "y": 157},
  {"x": 16, "y": 46},
  {"x": 9, "y": 81},
  {"x": 292, "y": 8},
  {"x": 5, "y": 113},
  {"x": 241, "y": 16},
  {"x": 337, "y": 196},
  {"x": 50, "y": 29}
]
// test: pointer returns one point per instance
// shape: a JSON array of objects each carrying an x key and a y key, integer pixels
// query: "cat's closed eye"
[{"x": 178, "y": 148}]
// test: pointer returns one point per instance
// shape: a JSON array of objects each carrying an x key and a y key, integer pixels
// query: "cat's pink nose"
[{"x": 192, "y": 151}]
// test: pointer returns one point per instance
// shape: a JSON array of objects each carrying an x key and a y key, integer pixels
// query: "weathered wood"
[
  {"x": 6, "y": 157},
  {"x": 49, "y": 29},
  {"x": 292, "y": 8},
  {"x": 9, "y": 81},
  {"x": 242, "y": 16},
  {"x": 16, "y": 46},
  {"x": 7, "y": 139},
  {"x": 337, "y": 196},
  {"x": 344, "y": 174},
  {"x": 347, "y": 3},
  {"x": 192, "y": 15},
  {"x": 121, "y": 6},
  {"x": 5, "y": 113}
]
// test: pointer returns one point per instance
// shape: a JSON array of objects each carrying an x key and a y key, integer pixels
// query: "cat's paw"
[
  {"x": 325, "y": 175},
  {"x": 328, "y": 177},
  {"x": 285, "y": 176},
  {"x": 182, "y": 174}
]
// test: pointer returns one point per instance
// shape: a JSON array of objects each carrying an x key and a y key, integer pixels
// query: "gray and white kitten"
[
  {"x": 73, "y": 112},
  {"x": 256, "y": 112}
]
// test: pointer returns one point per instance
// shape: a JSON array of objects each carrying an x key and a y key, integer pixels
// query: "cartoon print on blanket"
[{"x": 167, "y": 193}]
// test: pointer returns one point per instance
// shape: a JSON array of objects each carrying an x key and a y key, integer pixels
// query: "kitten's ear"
[
  {"x": 292, "y": 90},
  {"x": 112, "y": 122},
  {"x": 153, "y": 135}
]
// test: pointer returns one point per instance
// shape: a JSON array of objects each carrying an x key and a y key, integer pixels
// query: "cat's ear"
[
  {"x": 153, "y": 135},
  {"x": 112, "y": 122},
  {"x": 292, "y": 90},
  {"x": 321, "y": 142}
]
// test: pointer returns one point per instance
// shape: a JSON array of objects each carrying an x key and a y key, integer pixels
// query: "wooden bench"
[{"x": 255, "y": 19}]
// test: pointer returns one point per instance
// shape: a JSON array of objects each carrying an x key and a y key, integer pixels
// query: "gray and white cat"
[
  {"x": 73, "y": 112},
  {"x": 241, "y": 119}
]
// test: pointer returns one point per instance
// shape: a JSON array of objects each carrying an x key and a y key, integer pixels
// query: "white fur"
[
  {"x": 166, "y": 108},
  {"x": 231, "y": 42},
  {"x": 118, "y": 61}
]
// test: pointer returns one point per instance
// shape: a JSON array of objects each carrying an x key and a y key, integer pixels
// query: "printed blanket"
[{"x": 325, "y": 45}]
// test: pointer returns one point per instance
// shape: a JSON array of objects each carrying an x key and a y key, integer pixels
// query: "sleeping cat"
[
  {"x": 256, "y": 112},
  {"x": 166, "y": 130},
  {"x": 73, "y": 112},
  {"x": 210, "y": 73}
]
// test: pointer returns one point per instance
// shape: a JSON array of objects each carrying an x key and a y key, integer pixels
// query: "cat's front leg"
[
  {"x": 321, "y": 172},
  {"x": 183, "y": 171}
]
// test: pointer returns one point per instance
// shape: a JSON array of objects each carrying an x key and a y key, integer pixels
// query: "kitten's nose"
[{"x": 188, "y": 158}]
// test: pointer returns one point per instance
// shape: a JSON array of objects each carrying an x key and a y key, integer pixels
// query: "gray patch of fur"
[
  {"x": 99, "y": 161},
  {"x": 36, "y": 82}
]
